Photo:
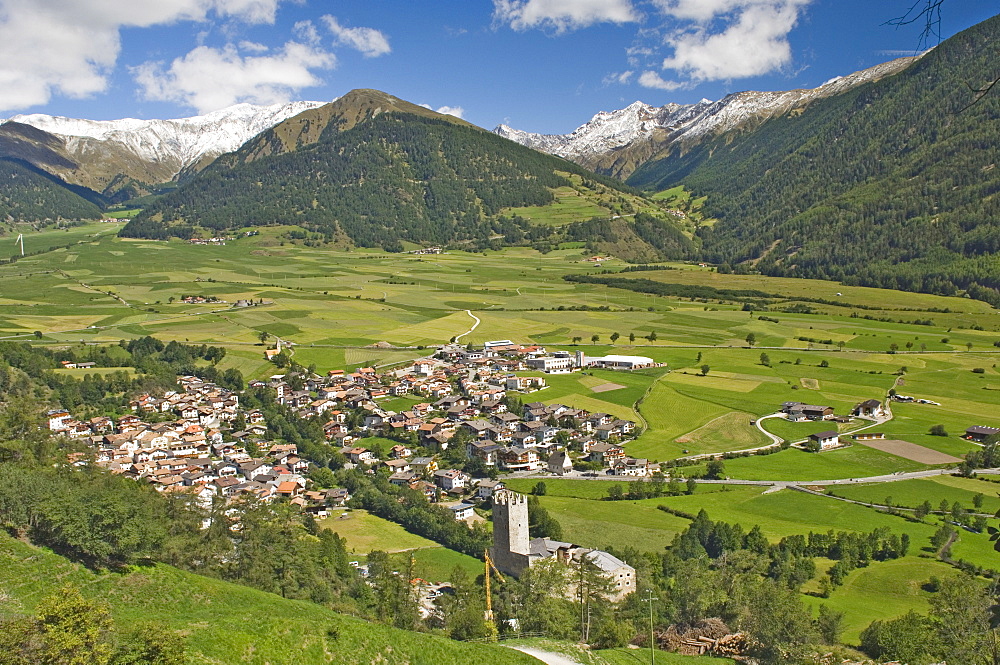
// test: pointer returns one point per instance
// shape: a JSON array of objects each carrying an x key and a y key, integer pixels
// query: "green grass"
[
  {"x": 366, "y": 532},
  {"x": 602, "y": 524},
  {"x": 641, "y": 657},
  {"x": 897, "y": 584},
  {"x": 226, "y": 623},
  {"x": 436, "y": 564},
  {"x": 912, "y": 493},
  {"x": 852, "y": 462}
]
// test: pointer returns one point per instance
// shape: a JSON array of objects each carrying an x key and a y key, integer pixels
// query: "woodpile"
[{"x": 711, "y": 636}]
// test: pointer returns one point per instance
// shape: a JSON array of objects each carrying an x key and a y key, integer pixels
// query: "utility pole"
[{"x": 652, "y": 647}]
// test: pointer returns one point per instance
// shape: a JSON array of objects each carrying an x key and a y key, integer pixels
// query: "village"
[{"x": 186, "y": 439}]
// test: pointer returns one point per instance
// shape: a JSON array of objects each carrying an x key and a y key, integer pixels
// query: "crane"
[{"x": 489, "y": 565}]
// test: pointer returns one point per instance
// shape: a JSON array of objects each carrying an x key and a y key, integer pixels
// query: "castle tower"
[{"x": 510, "y": 532}]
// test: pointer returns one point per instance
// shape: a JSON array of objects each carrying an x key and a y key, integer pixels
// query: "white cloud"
[
  {"x": 754, "y": 41},
  {"x": 254, "y": 47},
  {"x": 685, "y": 42},
  {"x": 211, "y": 78},
  {"x": 306, "y": 32},
  {"x": 69, "y": 47},
  {"x": 562, "y": 15},
  {"x": 371, "y": 42},
  {"x": 650, "y": 79},
  {"x": 456, "y": 111},
  {"x": 618, "y": 77}
]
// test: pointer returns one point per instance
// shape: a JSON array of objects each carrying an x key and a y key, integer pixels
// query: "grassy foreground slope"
[{"x": 228, "y": 623}]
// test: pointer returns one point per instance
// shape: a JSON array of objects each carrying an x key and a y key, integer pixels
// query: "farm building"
[
  {"x": 980, "y": 433},
  {"x": 620, "y": 362},
  {"x": 797, "y": 411},
  {"x": 828, "y": 439},
  {"x": 871, "y": 408}
]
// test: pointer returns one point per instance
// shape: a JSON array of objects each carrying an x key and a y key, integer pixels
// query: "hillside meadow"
[{"x": 228, "y": 623}]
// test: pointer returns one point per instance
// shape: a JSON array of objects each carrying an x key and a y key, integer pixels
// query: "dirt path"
[
  {"x": 474, "y": 326},
  {"x": 547, "y": 657}
]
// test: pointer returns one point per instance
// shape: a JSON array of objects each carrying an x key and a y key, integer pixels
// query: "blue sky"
[{"x": 539, "y": 65}]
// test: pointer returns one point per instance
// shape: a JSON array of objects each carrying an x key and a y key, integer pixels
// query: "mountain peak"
[{"x": 599, "y": 143}]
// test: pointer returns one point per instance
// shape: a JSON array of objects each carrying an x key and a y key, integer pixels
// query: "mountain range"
[
  {"x": 617, "y": 142},
  {"x": 118, "y": 158},
  {"x": 885, "y": 177},
  {"x": 374, "y": 170}
]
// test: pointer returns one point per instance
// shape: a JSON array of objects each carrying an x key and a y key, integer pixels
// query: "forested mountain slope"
[
  {"x": 27, "y": 193},
  {"x": 892, "y": 184},
  {"x": 369, "y": 167}
]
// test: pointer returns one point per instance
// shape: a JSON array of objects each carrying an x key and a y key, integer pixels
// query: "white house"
[
  {"x": 828, "y": 439},
  {"x": 450, "y": 479},
  {"x": 462, "y": 511}
]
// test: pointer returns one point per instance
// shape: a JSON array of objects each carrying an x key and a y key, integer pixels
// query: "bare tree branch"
[
  {"x": 929, "y": 13},
  {"x": 979, "y": 93},
  {"x": 926, "y": 11}
]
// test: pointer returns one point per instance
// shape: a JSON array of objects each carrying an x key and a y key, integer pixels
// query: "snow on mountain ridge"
[
  {"x": 181, "y": 140},
  {"x": 610, "y": 131}
]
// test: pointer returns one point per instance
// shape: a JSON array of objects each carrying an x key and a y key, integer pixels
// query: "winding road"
[{"x": 474, "y": 326}]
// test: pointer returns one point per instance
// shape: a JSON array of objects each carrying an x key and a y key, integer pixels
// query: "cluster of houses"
[
  {"x": 189, "y": 452},
  {"x": 186, "y": 437},
  {"x": 219, "y": 240},
  {"x": 798, "y": 412},
  {"x": 465, "y": 393}
]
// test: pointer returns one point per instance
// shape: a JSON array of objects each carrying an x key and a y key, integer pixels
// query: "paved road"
[{"x": 887, "y": 478}]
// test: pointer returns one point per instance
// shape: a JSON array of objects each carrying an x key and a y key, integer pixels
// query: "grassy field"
[
  {"x": 226, "y": 623},
  {"x": 912, "y": 493},
  {"x": 365, "y": 532},
  {"x": 85, "y": 286},
  {"x": 898, "y": 584},
  {"x": 334, "y": 305}
]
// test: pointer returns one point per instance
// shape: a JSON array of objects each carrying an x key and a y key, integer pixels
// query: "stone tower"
[{"x": 510, "y": 532}]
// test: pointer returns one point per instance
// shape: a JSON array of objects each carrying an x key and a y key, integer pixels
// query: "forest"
[
  {"x": 396, "y": 177},
  {"x": 890, "y": 185},
  {"x": 28, "y": 193}
]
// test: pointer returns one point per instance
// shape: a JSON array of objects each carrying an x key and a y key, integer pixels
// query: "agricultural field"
[
  {"x": 365, "y": 533},
  {"x": 589, "y": 520},
  {"x": 347, "y": 309},
  {"x": 912, "y": 493}
]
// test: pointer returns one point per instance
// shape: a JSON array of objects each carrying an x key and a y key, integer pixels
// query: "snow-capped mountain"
[
  {"x": 616, "y": 142},
  {"x": 184, "y": 140},
  {"x": 103, "y": 153}
]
